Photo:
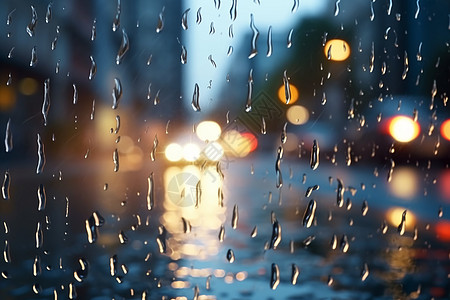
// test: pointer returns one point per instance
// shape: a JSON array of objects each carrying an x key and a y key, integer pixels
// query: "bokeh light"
[
  {"x": 7, "y": 98},
  {"x": 191, "y": 152},
  {"x": 294, "y": 94},
  {"x": 208, "y": 131},
  {"x": 237, "y": 144},
  {"x": 28, "y": 86},
  {"x": 445, "y": 129},
  {"x": 337, "y": 50},
  {"x": 174, "y": 152},
  {"x": 297, "y": 115},
  {"x": 443, "y": 230},
  {"x": 403, "y": 129},
  {"x": 404, "y": 183},
  {"x": 394, "y": 217}
]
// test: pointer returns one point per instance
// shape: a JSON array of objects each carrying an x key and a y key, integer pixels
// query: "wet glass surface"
[{"x": 225, "y": 149}]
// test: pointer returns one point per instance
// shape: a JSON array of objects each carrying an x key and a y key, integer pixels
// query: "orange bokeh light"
[
  {"x": 251, "y": 140},
  {"x": 445, "y": 129},
  {"x": 403, "y": 129}
]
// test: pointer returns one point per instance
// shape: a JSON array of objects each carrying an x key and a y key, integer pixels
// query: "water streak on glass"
[{"x": 32, "y": 24}]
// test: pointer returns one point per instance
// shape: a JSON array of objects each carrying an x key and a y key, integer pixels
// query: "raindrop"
[
  {"x": 9, "y": 17},
  {"x": 116, "y": 21},
  {"x": 419, "y": 52},
  {"x": 364, "y": 208},
  {"x": 221, "y": 233},
  {"x": 230, "y": 256},
  {"x": 333, "y": 242},
  {"x": 389, "y": 8},
  {"x": 230, "y": 50},
  {"x": 183, "y": 57},
  {"x": 295, "y": 6},
  {"x": 263, "y": 125},
  {"x": 289, "y": 38},
  {"x": 372, "y": 58},
  {"x": 365, "y": 272},
  {"x": 440, "y": 212},
  {"x": 94, "y": 30},
  {"x": 384, "y": 227},
  {"x": 156, "y": 100},
  {"x": 416, "y": 15},
  {"x": 160, "y": 25},
  {"x": 255, "y": 35},
  {"x": 58, "y": 63},
  {"x": 230, "y": 31},
  {"x": 123, "y": 239},
  {"x": 48, "y": 14},
  {"x": 279, "y": 183},
  {"x": 235, "y": 217},
  {"x": 248, "y": 104},
  {"x": 93, "y": 68},
  {"x": 344, "y": 243},
  {"x": 254, "y": 232},
  {"x": 184, "y": 23},
  {"x": 155, "y": 144},
  {"x": 39, "y": 236},
  {"x": 212, "y": 61},
  {"x": 274, "y": 277},
  {"x": 295, "y": 272},
  {"x": 340, "y": 193},
  {"x": 284, "y": 134},
  {"x": 82, "y": 272},
  {"x": 276, "y": 235},
  {"x": 124, "y": 47},
  {"x": 212, "y": 30},
  {"x": 402, "y": 226},
  {"x": 269, "y": 42},
  {"x": 199, "y": 16},
  {"x": 406, "y": 66},
  {"x": 93, "y": 110},
  {"x": 372, "y": 13},
  {"x": 37, "y": 269},
  {"x": 34, "y": 59},
  {"x": 310, "y": 211},
  {"x": 310, "y": 190},
  {"x": 42, "y": 197},
  {"x": 314, "y": 162},
  {"x": 10, "y": 53},
  {"x": 41, "y": 155},
  {"x": 75, "y": 93},
  {"x": 233, "y": 10},
  {"x": 116, "y": 160},
  {"x": 287, "y": 89},
  {"x": 55, "y": 40},
  {"x": 161, "y": 239},
  {"x": 195, "y": 98},
  {"x": 117, "y": 93},
  {"x": 8, "y": 137},
  {"x": 198, "y": 193},
  {"x": 336, "y": 9},
  {"x": 7, "y": 253},
  {"x": 37, "y": 288},
  {"x": 433, "y": 94},
  {"x": 32, "y": 24},
  {"x": 324, "y": 99},
  {"x": 391, "y": 170},
  {"x": 150, "y": 192}
]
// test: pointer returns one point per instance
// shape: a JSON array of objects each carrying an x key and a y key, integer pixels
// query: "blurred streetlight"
[
  {"x": 403, "y": 129},
  {"x": 337, "y": 50}
]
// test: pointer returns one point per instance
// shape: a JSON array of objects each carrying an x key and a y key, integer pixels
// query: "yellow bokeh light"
[
  {"x": 208, "y": 131},
  {"x": 297, "y": 115},
  {"x": 403, "y": 129},
  {"x": 191, "y": 152},
  {"x": 394, "y": 217},
  {"x": 404, "y": 183},
  {"x": 28, "y": 86},
  {"x": 337, "y": 50},
  {"x": 445, "y": 129},
  {"x": 294, "y": 94},
  {"x": 174, "y": 152}
]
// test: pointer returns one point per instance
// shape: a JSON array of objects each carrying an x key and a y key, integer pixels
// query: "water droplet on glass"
[
  {"x": 255, "y": 35},
  {"x": 230, "y": 256},
  {"x": 41, "y": 155},
  {"x": 433, "y": 94},
  {"x": 198, "y": 193},
  {"x": 37, "y": 288},
  {"x": 221, "y": 233},
  {"x": 289, "y": 38},
  {"x": 42, "y": 197},
  {"x": 365, "y": 272},
  {"x": 116, "y": 160},
  {"x": 391, "y": 170},
  {"x": 9, "y": 17},
  {"x": 184, "y": 23},
  {"x": 364, "y": 208},
  {"x": 117, "y": 93},
  {"x": 248, "y": 104},
  {"x": 416, "y": 15},
  {"x": 294, "y": 6},
  {"x": 235, "y": 217},
  {"x": 279, "y": 182},
  {"x": 116, "y": 21},
  {"x": 10, "y": 53},
  {"x": 160, "y": 25},
  {"x": 314, "y": 162},
  {"x": 336, "y": 8},
  {"x": 8, "y": 137},
  {"x": 344, "y": 245},
  {"x": 37, "y": 269},
  {"x": 294, "y": 274},
  {"x": 7, "y": 253},
  {"x": 199, "y": 16},
  {"x": 310, "y": 211},
  {"x": 276, "y": 235},
  {"x": 155, "y": 144},
  {"x": 372, "y": 12},
  {"x": 233, "y": 10},
  {"x": 93, "y": 68},
  {"x": 406, "y": 66},
  {"x": 94, "y": 30},
  {"x": 402, "y": 226},
  {"x": 34, "y": 59},
  {"x": 212, "y": 29},
  {"x": 123, "y": 239},
  {"x": 333, "y": 242},
  {"x": 183, "y": 55},
  {"x": 32, "y": 24},
  {"x": 212, "y": 61},
  {"x": 124, "y": 47},
  {"x": 75, "y": 94},
  {"x": 39, "y": 235},
  {"x": 274, "y": 277},
  {"x": 195, "y": 98},
  {"x": 269, "y": 42},
  {"x": 254, "y": 232},
  {"x": 150, "y": 192}
]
